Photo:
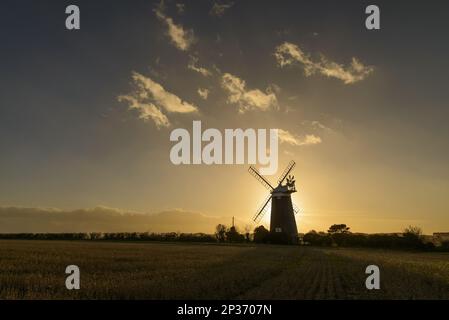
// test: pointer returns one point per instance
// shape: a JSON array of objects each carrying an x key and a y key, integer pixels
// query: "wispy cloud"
[
  {"x": 247, "y": 99},
  {"x": 180, "y": 37},
  {"x": 295, "y": 140},
  {"x": 290, "y": 54},
  {"x": 203, "y": 93},
  {"x": 180, "y": 8},
  {"x": 317, "y": 125},
  {"x": 193, "y": 66},
  {"x": 219, "y": 9},
  {"x": 147, "y": 111},
  {"x": 150, "y": 99}
]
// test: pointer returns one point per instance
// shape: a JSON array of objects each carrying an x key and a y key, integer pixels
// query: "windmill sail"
[
  {"x": 287, "y": 170},
  {"x": 260, "y": 178},
  {"x": 262, "y": 210},
  {"x": 296, "y": 208}
]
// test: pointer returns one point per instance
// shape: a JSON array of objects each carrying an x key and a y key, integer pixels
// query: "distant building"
[{"x": 439, "y": 237}]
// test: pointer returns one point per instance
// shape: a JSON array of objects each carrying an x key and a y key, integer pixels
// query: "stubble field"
[{"x": 118, "y": 270}]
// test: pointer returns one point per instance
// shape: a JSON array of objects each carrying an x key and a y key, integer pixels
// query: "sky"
[{"x": 86, "y": 115}]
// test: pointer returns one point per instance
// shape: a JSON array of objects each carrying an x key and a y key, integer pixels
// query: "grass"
[{"x": 118, "y": 270}]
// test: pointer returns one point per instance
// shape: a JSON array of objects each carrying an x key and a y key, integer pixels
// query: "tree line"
[
  {"x": 121, "y": 236},
  {"x": 338, "y": 235},
  {"x": 222, "y": 234}
]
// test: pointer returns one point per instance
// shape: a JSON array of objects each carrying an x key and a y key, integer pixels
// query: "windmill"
[{"x": 283, "y": 211}]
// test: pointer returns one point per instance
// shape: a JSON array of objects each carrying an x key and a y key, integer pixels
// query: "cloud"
[
  {"x": 193, "y": 66},
  {"x": 290, "y": 54},
  {"x": 203, "y": 93},
  {"x": 150, "y": 98},
  {"x": 316, "y": 125},
  {"x": 219, "y": 9},
  {"x": 147, "y": 111},
  {"x": 181, "y": 8},
  {"x": 247, "y": 99},
  {"x": 294, "y": 140},
  {"x": 180, "y": 37},
  {"x": 103, "y": 219},
  {"x": 309, "y": 139},
  {"x": 319, "y": 125}
]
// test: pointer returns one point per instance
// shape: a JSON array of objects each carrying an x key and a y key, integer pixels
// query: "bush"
[
  {"x": 317, "y": 239},
  {"x": 261, "y": 235},
  {"x": 232, "y": 235},
  {"x": 444, "y": 246}
]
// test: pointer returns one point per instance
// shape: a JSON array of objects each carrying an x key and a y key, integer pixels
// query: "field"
[{"x": 118, "y": 270}]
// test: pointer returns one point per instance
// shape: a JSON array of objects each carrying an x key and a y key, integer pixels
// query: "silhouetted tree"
[
  {"x": 247, "y": 233},
  {"x": 412, "y": 237},
  {"x": 232, "y": 235},
  {"x": 338, "y": 228},
  {"x": 96, "y": 235},
  {"x": 261, "y": 234},
  {"x": 413, "y": 231},
  {"x": 317, "y": 239},
  {"x": 220, "y": 232}
]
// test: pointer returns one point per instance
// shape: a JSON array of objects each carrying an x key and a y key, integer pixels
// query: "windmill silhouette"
[{"x": 283, "y": 210}]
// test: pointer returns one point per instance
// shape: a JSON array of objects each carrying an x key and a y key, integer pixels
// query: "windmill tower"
[{"x": 282, "y": 220}]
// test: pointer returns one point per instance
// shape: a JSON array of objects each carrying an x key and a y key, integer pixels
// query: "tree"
[
  {"x": 413, "y": 231},
  {"x": 339, "y": 234},
  {"x": 317, "y": 239},
  {"x": 247, "y": 233},
  {"x": 220, "y": 232},
  {"x": 261, "y": 234},
  {"x": 338, "y": 228},
  {"x": 413, "y": 237},
  {"x": 232, "y": 235}
]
